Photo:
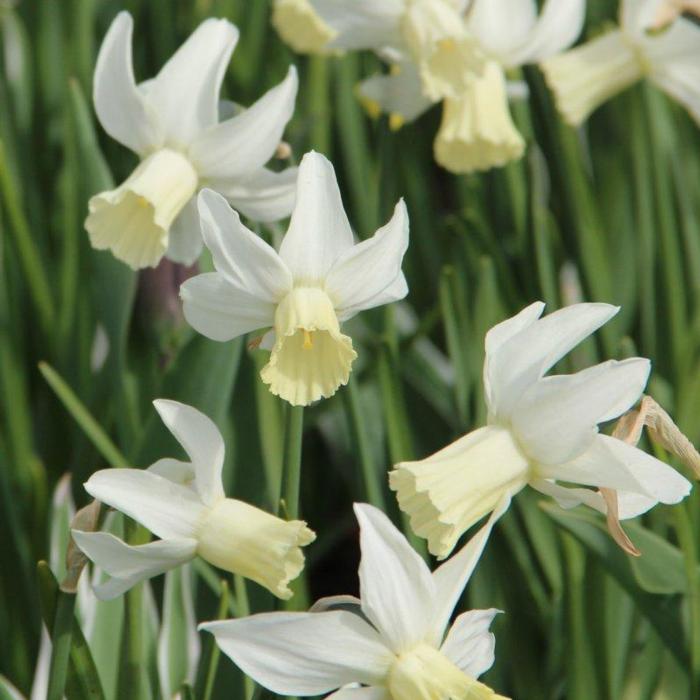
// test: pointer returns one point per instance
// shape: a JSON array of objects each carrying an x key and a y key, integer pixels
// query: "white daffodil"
[
  {"x": 394, "y": 645},
  {"x": 477, "y": 131},
  {"x": 541, "y": 430},
  {"x": 585, "y": 77},
  {"x": 172, "y": 123},
  {"x": 184, "y": 504},
  {"x": 318, "y": 279}
]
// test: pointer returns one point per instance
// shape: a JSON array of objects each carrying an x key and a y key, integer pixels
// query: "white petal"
[
  {"x": 399, "y": 94},
  {"x": 185, "y": 236},
  {"x": 469, "y": 644},
  {"x": 559, "y": 25},
  {"x": 219, "y": 310},
  {"x": 364, "y": 271},
  {"x": 614, "y": 464},
  {"x": 173, "y": 470},
  {"x": 304, "y": 653},
  {"x": 505, "y": 330},
  {"x": 203, "y": 443},
  {"x": 673, "y": 57},
  {"x": 375, "y": 693},
  {"x": 567, "y": 497},
  {"x": 525, "y": 356},
  {"x": 557, "y": 417},
  {"x": 263, "y": 195},
  {"x": 243, "y": 258},
  {"x": 362, "y": 24},
  {"x": 169, "y": 510},
  {"x": 501, "y": 25},
  {"x": 396, "y": 588},
  {"x": 451, "y": 577},
  {"x": 319, "y": 230},
  {"x": 396, "y": 291},
  {"x": 246, "y": 142},
  {"x": 185, "y": 93},
  {"x": 129, "y": 565},
  {"x": 120, "y": 106}
]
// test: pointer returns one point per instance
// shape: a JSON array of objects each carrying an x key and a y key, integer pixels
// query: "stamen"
[{"x": 308, "y": 342}]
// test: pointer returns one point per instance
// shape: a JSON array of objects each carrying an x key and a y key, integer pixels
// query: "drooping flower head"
[
  {"x": 172, "y": 123},
  {"x": 541, "y": 430},
  {"x": 585, "y": 77},
  {"x": 319, "y": 278},
  {"x": 184, "y": 504},
  {"x": 392, "y": 640}
]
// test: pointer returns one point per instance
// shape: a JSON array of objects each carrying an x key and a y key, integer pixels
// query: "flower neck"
[
  {"x": 134, "y": 219},
  {"x": 423, "y": 673}
]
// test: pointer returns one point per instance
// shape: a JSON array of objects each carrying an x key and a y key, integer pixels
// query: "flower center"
[
  {"x": 425, "y": 674},
  {"x": 448, "y": 57},
  {"x": 134, "y": 219},
  {"x": 311, "y": 357}
]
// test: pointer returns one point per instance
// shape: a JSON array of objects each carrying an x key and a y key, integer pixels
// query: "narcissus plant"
[
  {"x": 542, "y": 431},
  {"x": 172, "y": 123}
]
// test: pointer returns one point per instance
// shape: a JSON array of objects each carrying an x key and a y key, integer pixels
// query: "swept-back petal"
[
  {"x": 451, "y": 577},
  {"x": 525, "y": 356},
  {"x": 120, "y": 106},
  {"x": 673, "y": 60},
  {"x": 304, "y": 653},
  {"x": 203, "y": 443},
  {"x": 375, "y": 693},
  {"x": 174, "y": 470},
  {"x": 169, "y": 510},
  {"x": 363, "y": 272},
  {"x": 262, "y": 195},
  {"x": 568, "y": 497},
  {"x": 319, "y": 230},
  {"x": 244, "y": 143},
  {"x": 398, "y": 94},
  {"x": 217, "y": 309},
  {"x": 396, "y": 588},
  {"x": 501, "y": 25},
  {"x": 469, "y": 644},
  {"x": 558, "y": 26},
  {"x": 129, "y": 565},
  {"x": 362, "y": 24},
  {"x": 243, "y": 258},
  {"x": 185, "y": 238},
  {"x": 556, "y": 419},
  {"x": 185, "y": 93},
  {"x": 612, "y": 463}
]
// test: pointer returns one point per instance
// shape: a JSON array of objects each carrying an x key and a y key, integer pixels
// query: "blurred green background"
[{"x": 608, "y": 214}]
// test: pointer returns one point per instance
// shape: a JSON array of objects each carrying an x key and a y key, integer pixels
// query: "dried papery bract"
[
  {"x": 86, "y": 519},
  {"x": 669, "y": 11}
]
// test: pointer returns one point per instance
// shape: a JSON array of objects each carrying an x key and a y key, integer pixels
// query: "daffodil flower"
[
  {"x": 392, "y": 641},
  {"x": 477, "y": 131},
  {"x": 319, "y": 278},
  {"x": 585, "y": 77},
  {"x": 172, "y": 123},
  {"x": 541, "y": 430},
  {"x": 184, "y": 504}
]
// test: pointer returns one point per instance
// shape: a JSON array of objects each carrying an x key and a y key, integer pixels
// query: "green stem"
[
  {"x": 239, "y": 585},
  {"x": 360, "y": 438},
  {"x": 60, "y": 651},
  {"x": 292, "y": 459},
  {"x": 204, "y": 686},
  {"x": 686, "y": 539},
  {"x": 29, "y": 256},
  {"x": 77, "y": 409}
]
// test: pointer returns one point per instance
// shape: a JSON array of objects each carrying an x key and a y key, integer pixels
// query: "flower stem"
[
  {"x": 686, "y": 539},
  {"x": 210, "y": 658},
  {"x": 358, "y": 430},
  {"x": 62, "y": 638},
  {"x": 292, "y": 459}
]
